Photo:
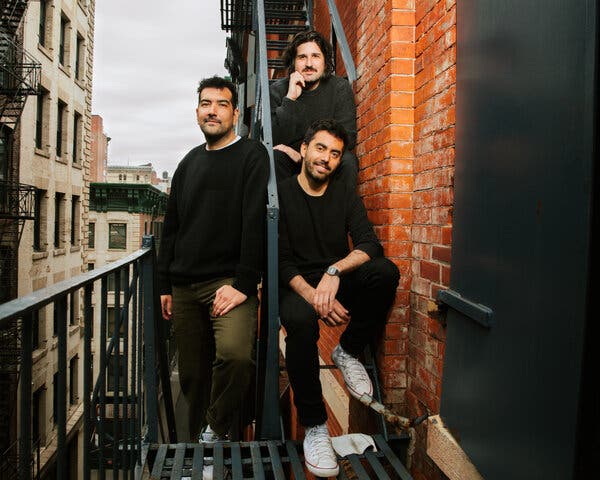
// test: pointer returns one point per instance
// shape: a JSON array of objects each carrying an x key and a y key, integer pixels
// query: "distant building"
[
  {"x": 49, "y": 139},
  {"x": 132, "y": 174},
  {"x": 99, "y": 153}
]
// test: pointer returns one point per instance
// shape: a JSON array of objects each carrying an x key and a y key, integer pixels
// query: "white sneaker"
[
  {"x": 319, "y": 456},
  {"x": 354, "y": 373},
  {"x": 208, "y": 435}
]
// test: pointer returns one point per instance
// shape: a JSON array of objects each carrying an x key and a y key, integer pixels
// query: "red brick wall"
[
  {"x": 405, "y": 52},
  {"x": 435, "y": 94}
]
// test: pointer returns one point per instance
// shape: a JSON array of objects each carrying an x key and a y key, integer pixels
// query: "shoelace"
[
  {"x": 319, "y": 440},
  {"x": 354, "y": 367}
]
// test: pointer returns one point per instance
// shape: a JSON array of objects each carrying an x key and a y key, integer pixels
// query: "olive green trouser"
[{"x": 216, "y": 355}]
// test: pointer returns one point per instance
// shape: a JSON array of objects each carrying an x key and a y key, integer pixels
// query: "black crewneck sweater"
[{"x": 215, "y": 219}]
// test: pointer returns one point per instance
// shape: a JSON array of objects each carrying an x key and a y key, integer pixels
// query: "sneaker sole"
[{"x": 322, "y": 472}]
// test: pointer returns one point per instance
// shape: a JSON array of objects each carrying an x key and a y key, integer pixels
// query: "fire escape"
[{"x": 19, "y": 78}]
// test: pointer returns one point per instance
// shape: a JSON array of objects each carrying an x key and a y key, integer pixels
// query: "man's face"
[
  {"x": 216, "y": 114},
  {"x": 310, "y": 62},
  {"x": 321, "y": 156}
]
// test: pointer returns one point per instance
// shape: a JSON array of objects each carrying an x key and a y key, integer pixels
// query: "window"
[
  {"x": 116, "y": 364},
  {"x": 91, "y": 266},
  {"x": 43, "y": 22},
  {"x": 59, "y": 215},
  {"x": 117, "y": 236},
  {"x": 75, "y": 211},
  {"x": 54, "y": 398},
  {"x": 79, "y": 57},
  {"x": 41, "y": 120},
  {"x": 110, "y": 284},
  {"x": 35, "y": 327},
  {"x": 77, "y": 129},
  {"x": 64, "y": 43},
  {"x": 91, "y": 235},
  {"x": 110, "y": 319},
  {"x": 37, "y": 415},
  {"x": 73, "y": 306},
  {"x": 60, "y": 127},
  {"x": 39, "y": 221},
  {"x": 73, "y": 380}
]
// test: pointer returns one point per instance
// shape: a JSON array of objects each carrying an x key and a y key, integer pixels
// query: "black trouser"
[
  {"x": 368, "y": 293},
  {"x": 285, "y": 167}
]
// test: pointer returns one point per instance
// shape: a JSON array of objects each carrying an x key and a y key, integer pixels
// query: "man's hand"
[
  {"x": 337, "y": 316},
  {"x": 325, "y": 294},
  {"x": 166, "y": 306},
  {"x": 289, "y": 151},
  {"x": 295, "y": 86},
  {"x": 226, "y": 299}
]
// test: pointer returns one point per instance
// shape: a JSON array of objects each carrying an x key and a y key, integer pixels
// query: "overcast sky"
[{"x": 148, "y": 58}]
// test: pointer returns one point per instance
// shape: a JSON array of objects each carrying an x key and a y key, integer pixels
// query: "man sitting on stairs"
[
  {"x": 311, "y": 92},
  {"x": 323, "y": 278}
]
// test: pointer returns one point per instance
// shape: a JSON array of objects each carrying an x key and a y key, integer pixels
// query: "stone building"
[
  {"x": 53, "y": 142},
  {"x": 99, "y": 153}
]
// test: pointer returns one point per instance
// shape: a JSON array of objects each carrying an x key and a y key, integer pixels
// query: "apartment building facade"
[{"x": 54, "y": 141}]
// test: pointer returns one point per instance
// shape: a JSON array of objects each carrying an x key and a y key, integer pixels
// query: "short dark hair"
[
  {"x": 328, "y": 125},
  {"x": 289, "y": 54},
  {"x": 220, "y": 83}
]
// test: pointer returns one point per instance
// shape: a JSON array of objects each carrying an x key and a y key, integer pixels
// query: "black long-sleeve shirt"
[
  {"x": 333, "y": 98},
  {"x": 215, "y": 219},
  {"x": 313, "y": 231}
]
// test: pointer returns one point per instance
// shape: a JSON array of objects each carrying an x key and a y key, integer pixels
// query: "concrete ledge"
[{"x": 447, "y": 454}]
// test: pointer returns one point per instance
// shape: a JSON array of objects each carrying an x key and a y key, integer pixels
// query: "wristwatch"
[{"x": 333, "y": 271}]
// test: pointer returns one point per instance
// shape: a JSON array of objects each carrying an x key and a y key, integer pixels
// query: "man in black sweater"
[
  {"x": 210, "y": 262},
  {"x": 324, "y": 279},
  {"x": 311, "y": 92}
]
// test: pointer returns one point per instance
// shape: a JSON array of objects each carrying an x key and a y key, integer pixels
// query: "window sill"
[
  {"x": 117, "y": 249},
  {"x": 60, "y": 160},
  {"x": 42, "y": 152},
  {"x": 65, "y": 69},
  {"x": 39, "y": 353},
  {"x": 73, "y": 329},
  {"x": 47, "y": 51},
  {"x": 77, "y": 165},
  {"x": 80, "y": 83},
  {"x": 75, "y": 248},
  {"x": 39, "y": 255},
  {"x": 59, "y": 251}
]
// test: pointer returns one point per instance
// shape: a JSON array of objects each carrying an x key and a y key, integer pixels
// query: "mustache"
[
  {"x": 325, "y": 165},
  {"x": 309, "y": 69}
]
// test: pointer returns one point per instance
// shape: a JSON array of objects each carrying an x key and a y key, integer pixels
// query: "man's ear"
[{"x": 303, "y": 148}]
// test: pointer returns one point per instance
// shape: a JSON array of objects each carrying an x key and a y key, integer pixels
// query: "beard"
[{"x": 316, "y": 180}]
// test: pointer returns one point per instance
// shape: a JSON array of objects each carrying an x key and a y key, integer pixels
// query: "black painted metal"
[
  {"x": 265, "y": 459},
  {"x": 25, "y": 413},
  {"x": 123, "y": 449},
  {"x": 525, "y": 135},
  {"x": 475, "y": 311}
]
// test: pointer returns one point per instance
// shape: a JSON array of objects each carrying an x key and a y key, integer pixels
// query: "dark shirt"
[
  {"x": 313, "y": 231},
  {"x": 215, "y": 219},
  {"x": 333, "y": 98}
]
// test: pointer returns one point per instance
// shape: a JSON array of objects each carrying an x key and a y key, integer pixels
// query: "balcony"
[
  {"x": 127, "y": 409},
  {"x": 17, "y": 201},
  {"x": 19, "y": 77}
]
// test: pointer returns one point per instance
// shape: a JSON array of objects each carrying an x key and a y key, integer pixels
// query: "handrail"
[
  {"x": 340, "y": 34},
  {"x": 133, "y": 350},
  {"x": 269, "y": 427}
]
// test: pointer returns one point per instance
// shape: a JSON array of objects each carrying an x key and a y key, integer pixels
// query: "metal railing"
[
  {"x": 17, "y": 200},
  {"x": 120, "y": 412}
]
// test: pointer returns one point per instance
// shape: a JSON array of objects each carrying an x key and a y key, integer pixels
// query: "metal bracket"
[{"x": 475, "y": 311}]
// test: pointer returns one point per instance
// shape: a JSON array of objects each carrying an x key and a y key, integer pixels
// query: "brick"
[
  {"x": 443, "y": 254},
  {"x": 430, "y": 271}
]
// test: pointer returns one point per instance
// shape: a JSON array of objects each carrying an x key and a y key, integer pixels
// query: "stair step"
[
  {"x": 277, "y": 45},
  {"x": 276, "y": 63},
  {"x": 285, "y": 15},
  {"x": 285, "y": 29}
]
